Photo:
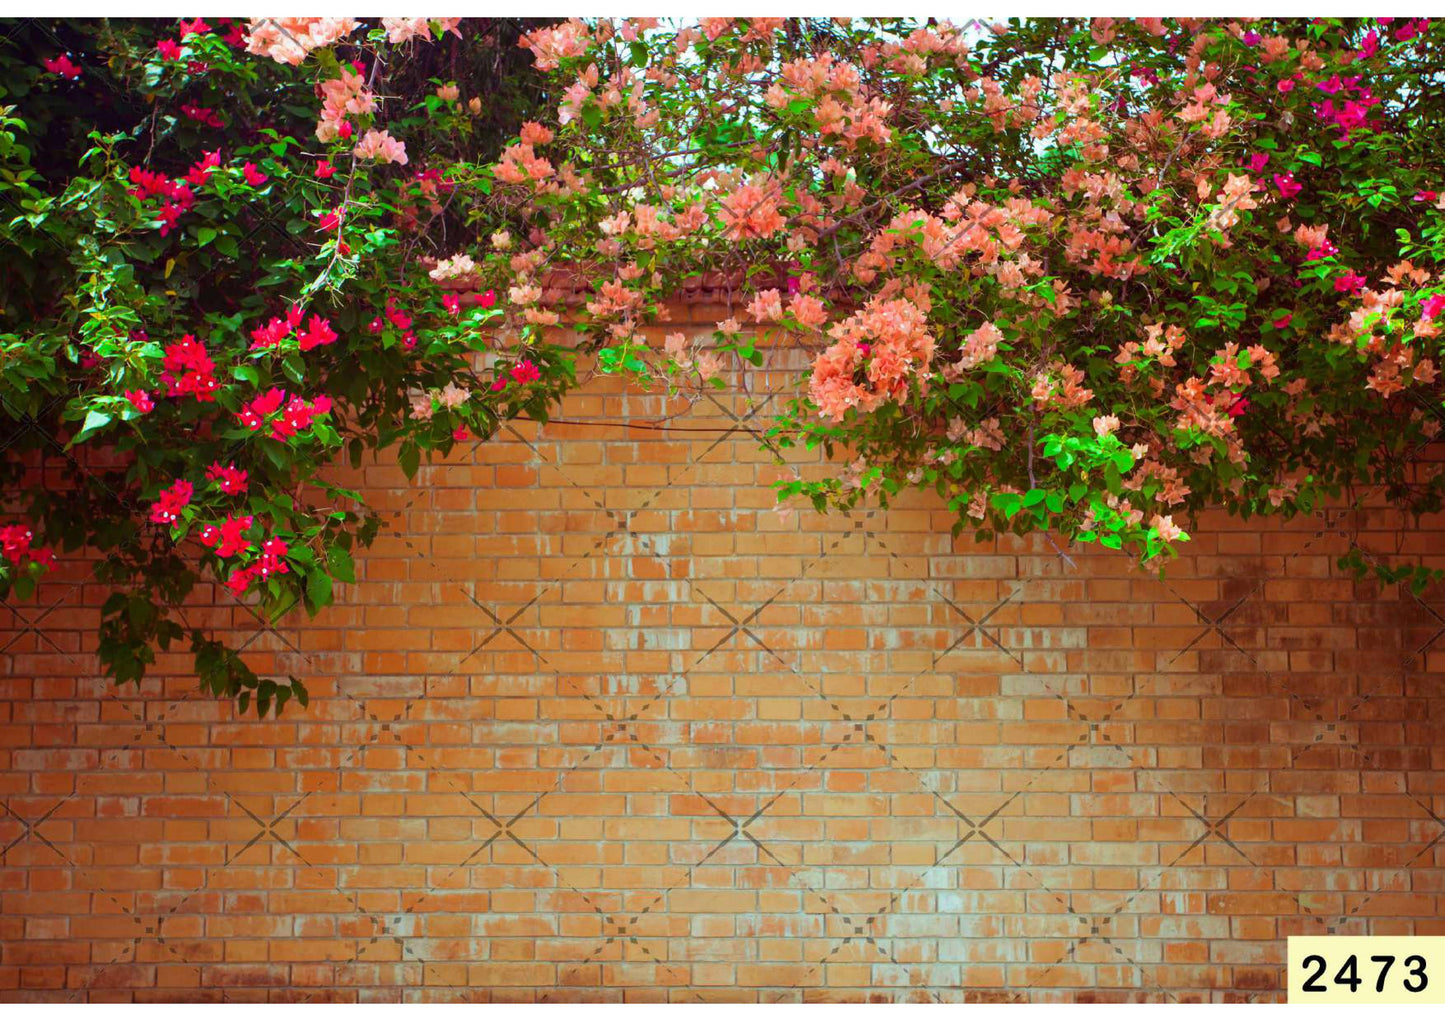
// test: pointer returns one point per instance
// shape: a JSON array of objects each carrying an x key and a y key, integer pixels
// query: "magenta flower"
[
  {"x": 62, "y": 66},
  {"x": 1349, "y": 283},
  {"x": 1287, "y": 185}
]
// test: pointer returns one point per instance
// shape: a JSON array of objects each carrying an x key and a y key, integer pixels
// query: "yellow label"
[{"x": 1367, "y": 969}]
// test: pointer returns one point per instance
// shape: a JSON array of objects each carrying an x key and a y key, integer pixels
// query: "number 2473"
[{"x": 1415, "y": 979}]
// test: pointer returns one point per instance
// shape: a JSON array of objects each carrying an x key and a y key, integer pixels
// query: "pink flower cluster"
[
  {"x": 343, "y": 97},
  {"x": 402, "y": 30},
  {"x": 289, "y": 40},
  {"x": 1352, "y": 114},
  {"x": 751, "y": 211},
  {"x": 876, "y": 351},
  {"x": 380, "y": 146},
  {"x": 295, "y": 415},
  {"x": 838, "y": 104},
  {"x": 188, "y": 369},
  {"x": 554, "y": 44},
  {"x": 17, "y": 544},
  {"x": 520, "y": 164}
]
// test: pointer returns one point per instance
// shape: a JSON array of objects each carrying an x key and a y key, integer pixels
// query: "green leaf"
[
  {"x": 318, "y": 589},
  {"x": 339, "y": 562},
  {"x": 409, "y": 459}
]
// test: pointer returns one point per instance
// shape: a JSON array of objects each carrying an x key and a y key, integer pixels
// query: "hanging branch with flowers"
[
  {"x": 1087, "y": 276},
  {"x": 213, "y": 292}
]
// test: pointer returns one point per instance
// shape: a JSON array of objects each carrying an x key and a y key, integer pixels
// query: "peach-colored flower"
[
  {"x": 401, "y": 30},
  {"x": 1167, "y": 529},
  {"x": 767, "y": 307},
  {"x": 380, "y": 146},
  {"x": 289, "y": 40}
]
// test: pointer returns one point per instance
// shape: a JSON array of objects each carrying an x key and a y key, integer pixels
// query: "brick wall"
[{"x": 597, "y": 724}]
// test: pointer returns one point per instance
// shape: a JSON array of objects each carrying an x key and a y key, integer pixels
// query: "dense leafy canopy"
[
  {"x": 213, "y": 290},
  {"x": 1087, "y": 276}
]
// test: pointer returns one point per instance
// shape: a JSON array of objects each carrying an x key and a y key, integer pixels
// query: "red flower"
[
  {"x": 525, "y": 372},
  {"x": 271, "y": 562},
  {"x": 318, "y": 332},
  {"x": 187, "y": 369},
  {"x": 1349, "y": 283},
  {"x": 254, "y": 414},
  {"x": 62, "y": 66},
  {"x": 324, "y": 169},
  {"x": 170, "y": 215},
  {"x": 270, "y": 335},
  {"x": 230, "y": 479},
  {"x": 488, "y": 299},
  {"x": 254, "y": 177},
  {"x": 202, "y": 114},
  {"x": 452, "y": 303},
  {"x": 1283, "y": 321},
  {"x": 17, "y": 542},
  {"x": 398, "y": 318},
  {"x": 227, "y": 540},
  {"x": 172, "y": 500},
  {"x": 239, "y": 581},
  {"x": 461, "y": 434},
  {"x": 297, "y": 416},
  {"x": 1432, "y": 306},
  {"x": 140, "y": 400},
  {"x": 197, "y": 27},
  {"x": 169, "y": 49}
]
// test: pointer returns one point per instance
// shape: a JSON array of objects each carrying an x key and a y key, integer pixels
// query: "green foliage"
[{"x": 104, "y": 277}]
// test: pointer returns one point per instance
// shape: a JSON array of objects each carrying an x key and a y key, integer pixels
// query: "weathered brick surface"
[{"x": 596, "y": 723}]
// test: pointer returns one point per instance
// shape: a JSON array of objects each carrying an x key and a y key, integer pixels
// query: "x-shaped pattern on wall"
[{"x": 740, "y": 626}]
